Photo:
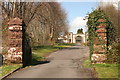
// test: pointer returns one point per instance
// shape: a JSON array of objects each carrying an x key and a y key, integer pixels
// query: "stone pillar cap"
[{"x": 15, "y": 21}]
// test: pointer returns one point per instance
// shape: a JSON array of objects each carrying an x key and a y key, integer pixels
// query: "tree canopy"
[{"x": 80, "y": 31}]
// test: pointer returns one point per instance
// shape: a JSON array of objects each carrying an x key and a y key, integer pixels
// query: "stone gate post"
[
  {"x": 19, "y": 48},
  {"x": 15, "y": 40},
  {"x": 100, "y": 43}
]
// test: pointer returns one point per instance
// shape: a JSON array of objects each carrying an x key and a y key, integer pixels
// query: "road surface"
[{"x": 65, "y": 63}]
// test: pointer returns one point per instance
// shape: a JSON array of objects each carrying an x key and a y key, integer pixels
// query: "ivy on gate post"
[{"x": 100, "y": 35}]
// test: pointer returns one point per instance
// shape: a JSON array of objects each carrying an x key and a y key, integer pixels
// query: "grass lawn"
[
  {"x": 107, "y": 70},
  {"x": 5, "y": 69},
  {"x": 104, "y": 70},
  {"x": 39, "y": 52}
]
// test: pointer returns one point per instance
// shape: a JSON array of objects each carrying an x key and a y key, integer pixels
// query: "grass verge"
[
  {"x": 5, "y": 69},
  {"x": 104, "y": 70},
  {"x": 39, "y": 52}
]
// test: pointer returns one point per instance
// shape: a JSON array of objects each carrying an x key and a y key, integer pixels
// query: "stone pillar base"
[{"x": 98, "y": 58}]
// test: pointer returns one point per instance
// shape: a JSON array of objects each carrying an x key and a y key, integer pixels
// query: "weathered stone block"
[
  {"x": 14, "y": 35},
  {"x": 102, "y": 35},
  {"x": 101, "y": 30},
  {"x": 98, "y": 41},
  {"x": 101, "y": 26},
  {"x": 15, "y": 28},
  {"x": 99, "y": 47},
  {"x": 98, "y": 58},
  {"x": 14, "y": 21},
  {"x": 14, "y": 54}
]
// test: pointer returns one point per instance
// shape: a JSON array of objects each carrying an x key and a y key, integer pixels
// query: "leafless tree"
[
  {"x": 44, "y": 20},
  {"x": 113, "y": 13}
]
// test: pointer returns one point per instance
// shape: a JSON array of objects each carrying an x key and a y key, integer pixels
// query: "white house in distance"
[{"x": 73, "y": 38}]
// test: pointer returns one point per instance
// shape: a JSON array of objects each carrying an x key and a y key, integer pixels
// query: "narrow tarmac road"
[{"x": 65, "y": 63}]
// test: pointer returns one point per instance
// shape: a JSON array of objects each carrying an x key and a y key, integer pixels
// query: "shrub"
[{"x": 114, "y": 53}]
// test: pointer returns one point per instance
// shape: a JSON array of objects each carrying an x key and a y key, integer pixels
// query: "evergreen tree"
[{"x": 80, "y": 31}]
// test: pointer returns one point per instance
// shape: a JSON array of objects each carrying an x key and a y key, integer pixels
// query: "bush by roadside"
[{"x": 114, "y": 53}]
